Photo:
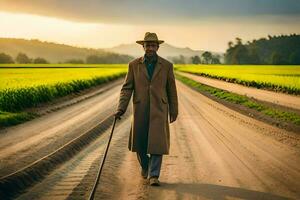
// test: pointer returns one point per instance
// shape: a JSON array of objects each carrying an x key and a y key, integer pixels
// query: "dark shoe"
[
  {"x": 144, "y": 173},
  {"x": 154, "y": 181}
]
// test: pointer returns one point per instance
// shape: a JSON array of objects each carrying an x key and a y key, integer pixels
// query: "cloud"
[
  {"x": 152, "y": 11},
  {"x": 200, "y": 24}
]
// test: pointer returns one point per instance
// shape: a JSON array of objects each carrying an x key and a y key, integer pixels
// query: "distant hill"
[
  {"x": 53, "y": 52},
  {"x": 165, "y": 50}
]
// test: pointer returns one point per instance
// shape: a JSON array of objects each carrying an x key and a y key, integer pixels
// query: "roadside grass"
[
  {"x": 242, "y": 100},
  {"x": 8, "y": 118}
]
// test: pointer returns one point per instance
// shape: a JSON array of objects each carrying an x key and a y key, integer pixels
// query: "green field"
[
  {"x": 64, "y": 65},
  {"x": 278, "y": 78},
  {"x": 25, "y": 86},
  {"x": 36, "y": 75}
]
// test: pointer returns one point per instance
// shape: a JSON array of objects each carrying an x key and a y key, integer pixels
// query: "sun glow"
[{"x": 15, "y": 25}]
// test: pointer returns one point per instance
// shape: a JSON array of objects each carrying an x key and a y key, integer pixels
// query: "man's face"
[{"x": 150, "y": 48}]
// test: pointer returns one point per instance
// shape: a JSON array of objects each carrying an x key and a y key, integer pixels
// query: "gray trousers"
[{"x": 152, "y": 163}]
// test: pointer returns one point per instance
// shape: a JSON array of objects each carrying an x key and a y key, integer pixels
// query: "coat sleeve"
[
  {"x": 126, "y": 90},
  {"x": 172, "y": 93}
]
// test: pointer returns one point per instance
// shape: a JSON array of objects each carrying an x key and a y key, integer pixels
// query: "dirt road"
[
  {"x": 216, "y": 153},
  {"x": 281, "y": 99},
  {"x": 25, "y": 143}
]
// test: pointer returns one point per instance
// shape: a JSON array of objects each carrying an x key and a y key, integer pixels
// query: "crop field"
[
  {"x": 36, "y": 75},
  {"x": 278, "y": 78},
  {"x": 24, "y": 86},
  {"x": 63, "y": 65}
]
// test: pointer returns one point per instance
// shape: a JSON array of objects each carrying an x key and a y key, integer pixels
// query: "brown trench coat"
[{"x": 153, "y": 100}]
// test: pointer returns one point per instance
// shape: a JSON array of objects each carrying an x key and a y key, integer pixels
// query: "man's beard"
[{"x": 152, "y": 54}]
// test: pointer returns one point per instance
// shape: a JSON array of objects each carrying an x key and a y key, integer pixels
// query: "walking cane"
[{"x": 103, "y": 161}]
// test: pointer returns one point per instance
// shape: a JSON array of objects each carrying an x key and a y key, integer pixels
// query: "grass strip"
[
  {"x": 242, "y": 100},
  {"x": 8, "y": 118}
]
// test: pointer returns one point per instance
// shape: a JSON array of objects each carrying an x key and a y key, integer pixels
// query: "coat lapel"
[
  {"x": 143, "y": 68},
  {"x": 156, "y": 69}
]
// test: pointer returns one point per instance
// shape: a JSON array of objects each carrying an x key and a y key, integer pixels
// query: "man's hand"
[
  {"x": 172, "y": 118},
  {"x": 118, "y": 114}
]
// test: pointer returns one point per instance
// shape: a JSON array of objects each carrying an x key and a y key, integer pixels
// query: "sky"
[{"x": 198, "y": 24}]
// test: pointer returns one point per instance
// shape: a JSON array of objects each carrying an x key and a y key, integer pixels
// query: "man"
[{"x": 151, "y": 80}]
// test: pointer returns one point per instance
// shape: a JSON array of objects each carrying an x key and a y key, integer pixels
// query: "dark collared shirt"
[{"x": 150, "y": 64}]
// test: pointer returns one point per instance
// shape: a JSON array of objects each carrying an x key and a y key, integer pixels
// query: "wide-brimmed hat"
[{"x": 150, "y": 37}]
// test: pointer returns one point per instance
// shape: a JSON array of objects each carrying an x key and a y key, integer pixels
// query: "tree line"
[
  {"x": 275, "y": 50},
  {"x": 21, "y": 58},
  {"x": 205, "y": 58},
  {"x": 108, "y": 58}
]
